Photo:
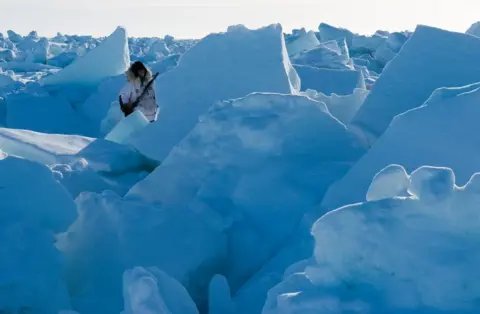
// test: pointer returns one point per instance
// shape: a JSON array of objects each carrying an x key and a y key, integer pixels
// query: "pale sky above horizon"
[{"x": 197, "y": 18}]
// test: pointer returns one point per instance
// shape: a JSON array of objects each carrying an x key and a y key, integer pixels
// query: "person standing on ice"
[{"x": 139, "y": 92}]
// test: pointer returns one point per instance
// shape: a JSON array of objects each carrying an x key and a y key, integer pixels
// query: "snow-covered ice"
[
  {"x": 112, "y": 235},
  {"x": 329, "y": 32},
  {"x": 153, "y": 291},
  {"x": 220, "y": 299},
  {"x": 43, "y": 148},
  {"x": 220, "y": 67},
  {"x": 42, "y": 112},
  {"x": 439, "y": 133},
  {"x": 323, "y": 56},
  {"x": 34, "y": 206},
  {"x": 342, "y": 107},
  {"x": 63, "y": 59},
  {"x": 260, "y": 162},
  {"x": 424, "y": 64},
  {"x": 80, "y": 163},
  {"x": 111, "y": 58},
  {"x": 27, "y": 200},
  {"x": 39, "y": 53},
  {"x": 397, "y": 255},
  {"x": 30, "y": 268},
  {"x": 102, "y": 166},
  {"x": 390, "y": 48},
  {"x": 392, "y": 181},
  {"x": 7, "y": 54},
  {"x": 251, "y": 297},
  {"x": 165, "y": 64},
  {"x": 367, "y": 44},
  {"x": 303, "y": 42},
  {"x": 311, "y": 172},
  {"x": 113, "y": 117},
  {"x": 14, "y": 37},
  {"x": 474, "y": 29},
  {"x": 97, "y": 105},
  {"x": 6, "y": 78},
  {"x": 254, "y": 125},
  {"x": 27, "y": 66},
  {"x": 330, "y": 81},
  {"x": 369, "y": 62},
  {"x": 127, "y": 127},
  {"x": 3, "y": 111}
]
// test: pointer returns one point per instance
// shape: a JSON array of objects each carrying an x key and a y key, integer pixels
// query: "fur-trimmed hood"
[{"x": 131, "y": 77}]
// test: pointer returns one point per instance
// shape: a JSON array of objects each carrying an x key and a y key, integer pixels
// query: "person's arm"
[{"x": 126, "y": 94}]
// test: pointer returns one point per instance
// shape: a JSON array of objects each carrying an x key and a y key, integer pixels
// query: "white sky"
[{"x": 196, "y": 18}]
